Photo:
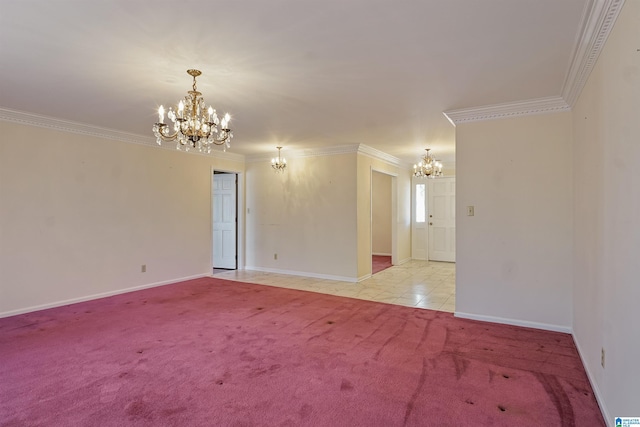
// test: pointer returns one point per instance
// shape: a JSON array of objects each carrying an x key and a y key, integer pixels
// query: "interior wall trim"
[
  {"x": 36, "y": 120},
  {"x": 330, "y": 151},
  {"x": 529, "y": 107},
  {"x": 515, "y": 322},
  {"x": 598, "y": 19},
  {"x": 313, "y": 152},
  {"x": 302, "y": 274},
  {"x": 377, "y": 154},
  {"x": 592, "y": 381},
  {"x": 99, "y": 295}
]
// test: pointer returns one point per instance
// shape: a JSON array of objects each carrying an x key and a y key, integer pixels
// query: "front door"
[
  {"x": 442, "y": 219},
  {"x": 224, "y": 220}
]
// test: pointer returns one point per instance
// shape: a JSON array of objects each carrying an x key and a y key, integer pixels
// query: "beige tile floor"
[{"x": 422, "y": 284}]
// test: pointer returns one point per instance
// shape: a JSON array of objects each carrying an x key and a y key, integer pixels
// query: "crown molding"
[
  {"x": 379, "y": 155},
  {"x": 311, "y": 152},
  {"x": 598, "y": 18},
  {"x": 60, "y": 125},
  {"x": 330, "y": 151},
  {"x": 224, "y": 155},
  {"x": 53, "y": 123},
  {"x": 327, "y": 151},
  {"x": 511, "y": 109},
  {"x": 597, "y": 22}
]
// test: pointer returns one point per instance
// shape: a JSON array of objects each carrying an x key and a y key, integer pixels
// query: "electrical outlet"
[
  {"x": 470, "y": 210},
  {"x": 143, "y": 268},
  {"x": 275, "y": 256},
  {"x": 602, "y": 357}
]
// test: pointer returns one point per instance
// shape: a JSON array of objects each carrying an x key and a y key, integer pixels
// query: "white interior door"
[
  {"x": 419, "y": 228},
  {"x": 442, "y": 219},
  {"x": 224, "y": 221}
]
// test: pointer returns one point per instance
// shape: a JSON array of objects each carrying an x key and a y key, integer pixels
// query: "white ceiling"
[{"x": 298, "y": 73}]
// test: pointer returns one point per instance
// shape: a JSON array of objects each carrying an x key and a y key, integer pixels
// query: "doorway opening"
[
  {"x": 382, "y": 220},
  {"x": 225, "y": 221}
]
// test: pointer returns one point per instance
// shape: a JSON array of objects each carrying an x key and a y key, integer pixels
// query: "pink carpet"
[
  {"x": 379, "y": 263},
  {"x": 210, "y": 352}
]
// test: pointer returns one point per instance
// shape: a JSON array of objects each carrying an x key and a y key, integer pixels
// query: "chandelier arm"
[
  {"x": 222, "y": 141},
  {"x": 161, "y": 135},
  {"x": 169, "y": 138}
]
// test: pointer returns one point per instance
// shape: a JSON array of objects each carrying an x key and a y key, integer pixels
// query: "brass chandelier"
[
  {"x": 280, "y": 163},
  {"x": 193, "y": 126},
  {"x": 428, "y": 167}
]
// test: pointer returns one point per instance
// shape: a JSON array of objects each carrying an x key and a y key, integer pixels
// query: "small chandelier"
[
  {"x": 428, "y": 167},
  {"x": 193, "y": 126},
  {"x": 280, "y": 163}
]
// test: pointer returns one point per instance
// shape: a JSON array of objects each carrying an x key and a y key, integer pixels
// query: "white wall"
[
  {"x": 317, "y": 215},
  {"x": 306, "y": 215},
  {"x": 403, "y": 215},
  {"x": 381, "y": 213},
  {"x": 606, "y": 292},
  {"x": 79, "y": 215},
  {"x": 513, "y": 260}
]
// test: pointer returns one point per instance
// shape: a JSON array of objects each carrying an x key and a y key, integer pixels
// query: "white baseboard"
[
  {"x": 303, "y": 274},
  {"x": 404, "y": 261},
  {"x": 594, "y": 386},
  {"x": 365, "y": 277},
  {"x": 515, "y": 322},
  {"x": 96, "y": 296},
  {"x": 381, "y": 254}
]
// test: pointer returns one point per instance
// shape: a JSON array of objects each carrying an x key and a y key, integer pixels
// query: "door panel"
[
  {"x": 224, "y": 221},
  {"x": 442, "y": 219}
]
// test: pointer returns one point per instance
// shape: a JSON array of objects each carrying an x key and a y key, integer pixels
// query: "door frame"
[
  {"x": 240, "y": 225},
  {"x": 394, "y": 213}
]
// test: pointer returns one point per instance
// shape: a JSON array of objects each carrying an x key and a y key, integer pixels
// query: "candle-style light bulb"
[
  {"x": 161, "y": 114},
  {"x": 210, "y": 111},
  {"x": 180, "y": 108}
]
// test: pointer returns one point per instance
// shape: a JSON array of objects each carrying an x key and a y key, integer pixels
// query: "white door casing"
[
  {"x": 224, "y": 221},
  {"x": 442, "y": 219}
]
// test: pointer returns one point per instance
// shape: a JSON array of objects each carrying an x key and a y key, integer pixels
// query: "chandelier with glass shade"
[
  {"x": 193, "y": 126},
  {"x": 279, "y": 163},
  {"x": 428, "y": 167}
]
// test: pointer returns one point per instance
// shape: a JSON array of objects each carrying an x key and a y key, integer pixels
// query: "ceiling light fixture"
[
  {"x": 194, "y": 127},
  {"x": 280, "y": 163},
  {"x": 428, "y": 167}
]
